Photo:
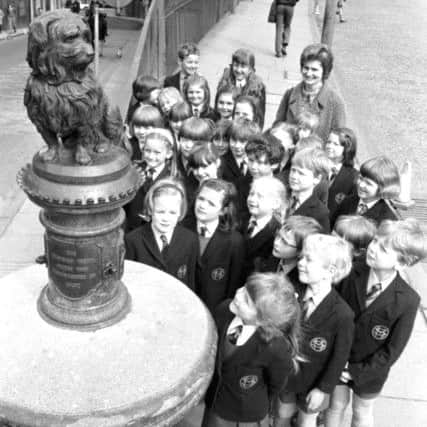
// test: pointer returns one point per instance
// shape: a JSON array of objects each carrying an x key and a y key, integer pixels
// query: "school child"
[
  {"x": 327, "y": 324},
  {"x": 385, "y": 307},
  {"x": 241, "y": 78},
  {"x": 234, "y": 162},
  {"x": 224, "y": 103},
  {"x": 377, "y": 184},
  {"x": 144, "y": 119},
  {"x": 177, "y": 114},
  {"x": 145, "y": 91},
  {"x": 189, "y": 61},
  {"x": 221, "y": 136},
  {"x": 307, "y": 125},
  {"x": 358, "y": 231},
  {"x": 257, "y": 350},
  {"x": 162, "y": 242},
  {"x": 341, "y": 148},
  {"x": 168, "y": 97},
  {"x": 246, "y": 107},
  {"x": 193, "y": 131},
  {"x": 288, "y": 243},
  {"x": 157, "y": 162},
  {"x": 307, "y": 168},
  {"x": 197, "y": 93},
  {"x": 219, "y": 271},
  {"x": 267, "y": 197}
]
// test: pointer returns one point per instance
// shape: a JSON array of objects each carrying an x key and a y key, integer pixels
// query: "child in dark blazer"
[
  {"x": 327, "y": 323},
  {"x": 266, "y": 200},
  {"x": 307, "y": 168},
  {"x": 378, "y": 183},
  {"x": 162, "y": 243},
  {"x": 257, "y": 350},
  {"x": 385, "y": 308},
  {"x": 341, "y": 148},
  {"x": 222, "y": 250}
]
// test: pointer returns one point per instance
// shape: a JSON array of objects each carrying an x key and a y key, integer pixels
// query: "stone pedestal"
[{"x": 146, "y": 370}]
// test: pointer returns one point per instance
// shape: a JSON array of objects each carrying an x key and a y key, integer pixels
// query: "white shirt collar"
[
  {"x": 210, "y": 227},
  {"x": 260, "y": 223},
  {"x": 241, "y": 83},
  {"x": 317, "y": 297},
  {"x": 247, "y": 331},
  {"x": 373, "y": 280},
  {"x": 159, "y": 240},
  {"x": 368, "y": 204}
]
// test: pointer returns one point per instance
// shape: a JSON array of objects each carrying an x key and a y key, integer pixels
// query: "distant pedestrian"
[
  {"x": 11, "y": 17},
  {"x": 316, "y": 9},
  {"x": 284, "y": 15},
  {"x": 68, "y": 4},
  {"x": 340, "y": 7},
  {"x": 1, "y": 20},
  {"x": 75, "y": 6}
]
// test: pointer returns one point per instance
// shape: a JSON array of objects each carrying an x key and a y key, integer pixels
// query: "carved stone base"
[{"x": 148, "y": 369}]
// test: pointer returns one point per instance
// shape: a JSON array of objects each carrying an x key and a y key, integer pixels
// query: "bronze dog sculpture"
[{"x": 64, "y": 101}]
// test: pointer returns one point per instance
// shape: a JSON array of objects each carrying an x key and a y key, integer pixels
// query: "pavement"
[
  {"x": 7, "y": 35},
  {"x": 403, "y": 402}
]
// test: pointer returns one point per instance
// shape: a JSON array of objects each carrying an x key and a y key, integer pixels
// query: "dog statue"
[{"x": 64, "y": 101}]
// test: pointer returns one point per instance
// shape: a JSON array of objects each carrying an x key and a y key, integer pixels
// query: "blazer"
[
  {"x": 181, "y": 257},
  {"x": 173, "y": 80},
  {"x": 135, "y": 207},
  {"x": 343, "y": 185},
  {"x": 259, "y": 247},
  {"x": 326, "y": 343},
  {"x": 382, "y": 330},
  {"x": 378, "y": 212},
  {"x": 230, "y": 170},
  {"x": 270, "y": 265},
  {"x": 328, "y": 105},
  {"x": 314, "y": 208},
  {"x": 245, "y": 382}
]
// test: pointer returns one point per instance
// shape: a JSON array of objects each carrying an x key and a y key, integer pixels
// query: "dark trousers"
[{"x": 284, "y": 17}]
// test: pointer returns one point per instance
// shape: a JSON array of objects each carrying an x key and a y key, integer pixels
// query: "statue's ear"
[{"x": 38, "y": 33}]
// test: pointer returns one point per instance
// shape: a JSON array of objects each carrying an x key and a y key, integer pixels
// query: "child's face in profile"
[
  {"x": 225, "y": 105},
  {"x": 155, "y": 152},
  {"x": 302, "y": 179},
  {"x": 166, "y": 103},
  {"x": 333, "y": 148},
  {"x": 221, "y": 145},
  {"x": 196, "y": 95},
  {"x": 166, "y": 212},
  {"x": 190, "y": 64},
  {"x": 186, "y": 145},
  {"x": 285, "y": 246},
  {"x": 261, "y": 201},
  {"x": 381, "y": 256},
  {"x": 208, "y": 205},
  {"x": 240, "y": 71},
  {"x": 312, "y": 268},
  {"x": 243, "y": 109},
  {"x": 367, "y": 189},
  {"x": 244, "y": 307},
  {"x": 259, "y": 166},
  {"x": 237, "y": 147}
]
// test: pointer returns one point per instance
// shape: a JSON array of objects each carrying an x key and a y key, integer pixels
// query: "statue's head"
[{"x": 59, "y": 46}]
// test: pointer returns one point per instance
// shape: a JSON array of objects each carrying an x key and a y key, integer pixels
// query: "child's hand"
[
  {"x": 315, "y": 399},
  {"x": 345, "y": 376}
]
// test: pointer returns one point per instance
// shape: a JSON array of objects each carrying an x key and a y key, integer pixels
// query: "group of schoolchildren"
[{"x": 295, "y": 252}]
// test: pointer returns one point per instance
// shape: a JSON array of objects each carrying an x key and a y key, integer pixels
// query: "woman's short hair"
[
  {"x": 318, "y": 52},
  {"x": 245, "y": 57},
  {"x": 333, "y": 250},
  {"x": 383, "y": 171},
  {"x": 348, "y": 140}
]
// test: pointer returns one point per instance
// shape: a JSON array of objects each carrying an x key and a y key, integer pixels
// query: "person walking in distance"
[
  {"x": 284, "y": 15},
  {"x": 11, "y": 17}
]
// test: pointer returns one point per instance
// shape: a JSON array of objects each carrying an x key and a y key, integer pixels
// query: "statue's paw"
[
  {"x": 48, "y": 154},
  {"x": 102, "y": 147},
  {"x": 82, "y": 156}
]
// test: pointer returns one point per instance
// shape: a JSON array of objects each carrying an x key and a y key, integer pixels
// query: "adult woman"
[
  {"x": 284, "y": 15},
  {"x": 313, "y": 94}
]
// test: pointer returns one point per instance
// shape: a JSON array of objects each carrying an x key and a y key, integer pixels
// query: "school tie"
[
  {"x": 251, "y": 227},
  {"x": 373, "y": 294},
  {"x": 203, "y": 230},
  {"x": 165, "y": 244},
  {"x": 306, "y": 308},
  {"x": 243, "y": 167},
  {"x": 334, "y": 173},
  {"x": 294, "y": 205},
  {"x": 149, "y": 175},
  {"x": 196, "y": 112},
  {"x": 203, "y": 242},
  {"x": 362, "y": 208},
  {"x": 234, "y": 335}
]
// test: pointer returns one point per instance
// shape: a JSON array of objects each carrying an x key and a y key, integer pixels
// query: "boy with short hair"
[
  {"x": 327, "y": 322},
  {"x": 385, "y": 307},
  {"x": 266, "y": 197},
  {"x": 307, "y": 168},
  {"x": 189, "y": 61}
]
